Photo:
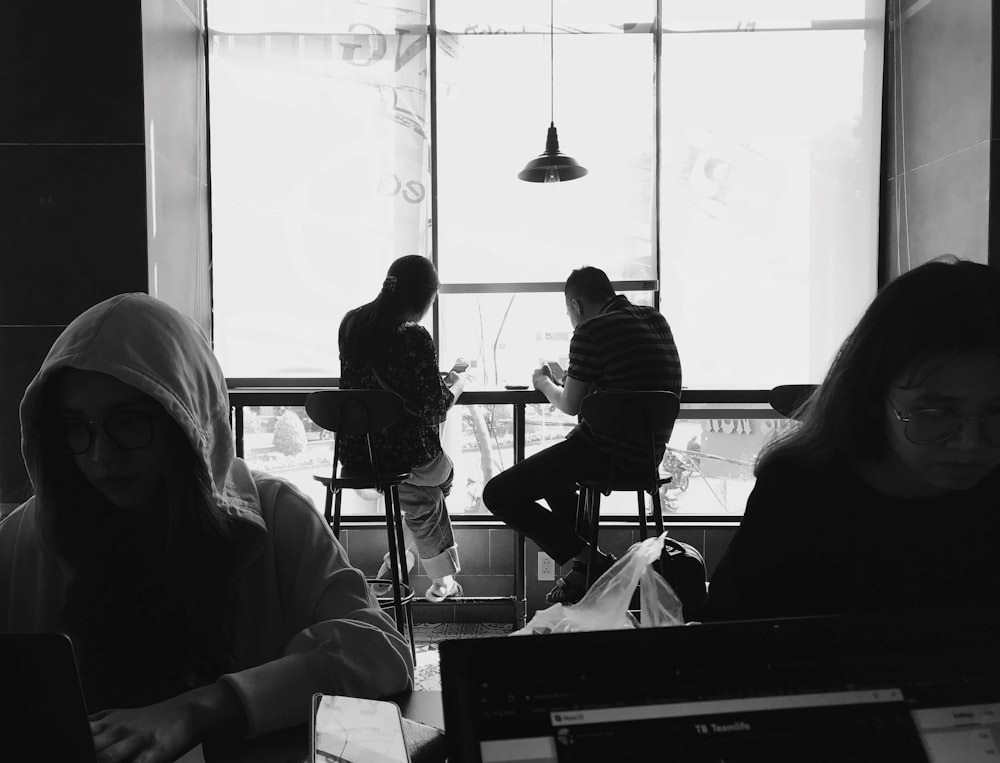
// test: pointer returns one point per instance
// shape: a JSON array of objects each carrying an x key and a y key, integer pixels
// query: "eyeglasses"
[
  {"x": 129, "y": 430},
  {"x": 933, "y": 425}
]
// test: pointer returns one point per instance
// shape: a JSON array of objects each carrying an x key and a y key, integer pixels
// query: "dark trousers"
[{"x": 551, "y": 474}]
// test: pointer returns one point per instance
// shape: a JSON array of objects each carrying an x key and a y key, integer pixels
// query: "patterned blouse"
[{"x": 411, "y": 370}]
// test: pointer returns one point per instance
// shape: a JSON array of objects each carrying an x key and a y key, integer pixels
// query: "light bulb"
[{"x": 551, "y": 174}]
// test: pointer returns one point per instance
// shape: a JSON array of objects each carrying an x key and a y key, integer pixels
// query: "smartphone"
[
  {"x": 352, "y": 730},
  {"x": 557, "y": 370},
  {"x": 460, "y": 365}
]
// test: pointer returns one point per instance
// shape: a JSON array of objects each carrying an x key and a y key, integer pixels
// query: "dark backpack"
[{"x": 683, "y": 567}]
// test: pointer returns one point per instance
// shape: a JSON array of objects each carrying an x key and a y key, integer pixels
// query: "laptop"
[
  {"x": 905, "y": 687},
  {"x": 43, "y": 714}
]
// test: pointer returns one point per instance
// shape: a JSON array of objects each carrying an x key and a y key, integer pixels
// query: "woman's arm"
[
  {"x": 343, "y": 642},
  {"x": 424, "y": 389},
  {"x": 166, "y": 730},
  {"x": 567, "y": 397}
]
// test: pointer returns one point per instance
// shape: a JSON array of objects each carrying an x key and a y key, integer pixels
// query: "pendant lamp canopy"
[{"x": 552, "y": 166}]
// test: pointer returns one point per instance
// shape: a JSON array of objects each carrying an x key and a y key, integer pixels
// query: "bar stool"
[
  {"x": 787, "y": 399},
  {"x": 637, "y": 420},
  {"x": 363, "y": 412}
]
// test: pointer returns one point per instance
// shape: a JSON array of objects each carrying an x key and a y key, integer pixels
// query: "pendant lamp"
[{"x": 552, "y": 166}]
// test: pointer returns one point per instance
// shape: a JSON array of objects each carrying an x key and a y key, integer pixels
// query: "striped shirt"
[{"x": 624, "y": 347}]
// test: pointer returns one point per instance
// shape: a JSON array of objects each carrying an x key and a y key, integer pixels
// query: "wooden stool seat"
[{"x": 362, "y": 481}]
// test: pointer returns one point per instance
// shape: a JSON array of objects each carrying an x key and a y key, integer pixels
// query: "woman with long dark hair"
[
  {"x": 382, "y": 346},
  {"x": 202, "y": 599},
  {"x": 887, "y": 495}
]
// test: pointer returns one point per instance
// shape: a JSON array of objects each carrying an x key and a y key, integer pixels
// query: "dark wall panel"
[
  {"x": 72, "y": 183},
  {"x": 70, "y": 72},
  {"x": 22, "y": 349},
  {"x": 72, "y": 230}
]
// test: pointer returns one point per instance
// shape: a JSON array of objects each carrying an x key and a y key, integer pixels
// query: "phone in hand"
[
  {"x": 460, "y": 365},
  {"x": 556, "y": 371},
  {"x": 356, "y": 730}
]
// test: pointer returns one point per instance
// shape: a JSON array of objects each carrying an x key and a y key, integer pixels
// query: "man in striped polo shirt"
[{"x": 615, "y": 346}]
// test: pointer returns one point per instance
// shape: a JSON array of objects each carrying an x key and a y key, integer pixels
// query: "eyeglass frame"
[
  {"x": 92, "y": 424},
  {"x": 960, "y": 423}
]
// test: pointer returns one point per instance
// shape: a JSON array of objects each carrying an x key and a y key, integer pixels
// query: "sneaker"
[
  {"x": 438, "y": 592},
  {"x": 572, "y": 587},
  {"x": 385, "y": 571}
]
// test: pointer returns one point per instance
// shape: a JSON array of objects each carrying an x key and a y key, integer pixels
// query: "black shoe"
[{"x": 570, "y": 588}]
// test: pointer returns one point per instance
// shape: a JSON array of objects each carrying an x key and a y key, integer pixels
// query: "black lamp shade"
[{"x": 552, "y": 166}]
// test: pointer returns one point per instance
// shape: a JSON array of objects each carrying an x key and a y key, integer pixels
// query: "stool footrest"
[
  {"x": 468, "y": 600},
  {"x": 406, "y": 591},
  {"x": 363, "y": 481}
]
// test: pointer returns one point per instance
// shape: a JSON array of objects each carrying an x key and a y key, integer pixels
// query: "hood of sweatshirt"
[{"x": 145, "y": 343}]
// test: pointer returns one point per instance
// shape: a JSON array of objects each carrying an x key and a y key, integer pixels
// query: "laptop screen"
[
  {"x": 43, "y": 714},
  {"x": 818, "y": 689}
]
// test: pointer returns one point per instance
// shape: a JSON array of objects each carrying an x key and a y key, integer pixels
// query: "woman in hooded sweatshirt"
[{"x": 203, "y": 599}]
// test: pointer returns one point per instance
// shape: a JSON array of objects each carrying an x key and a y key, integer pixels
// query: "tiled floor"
[{"x": 428, "y": 636}]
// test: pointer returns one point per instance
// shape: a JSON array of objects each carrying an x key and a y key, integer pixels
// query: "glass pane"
[
  {"x": 494, "y": 107},
  {"x": 710, "y": 462},
  {"x": 480, "y": 441},
  {"x": 313, "y": 16},
  {"x": 507, "y": 336},
  {"x": 319, "y": 180},
  {"x": 285, "y": 442},
  {"x": 519, "y": 16},
  {"x": 758, "y": 15},
  {"x": 709, "y": 459},
  {"x": 768, "y": 219}
]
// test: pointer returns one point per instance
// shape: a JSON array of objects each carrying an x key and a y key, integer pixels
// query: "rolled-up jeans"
[{"x": 426, "y": 523}]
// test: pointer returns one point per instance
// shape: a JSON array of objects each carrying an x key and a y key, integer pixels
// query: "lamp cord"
[{"x": 552, "y": 65}]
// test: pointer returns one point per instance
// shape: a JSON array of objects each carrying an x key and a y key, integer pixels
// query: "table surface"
[
  {"x": 292, "y": 745},
  {"x": 472, "y": 394},
  {"x": 423, "y": 706}
]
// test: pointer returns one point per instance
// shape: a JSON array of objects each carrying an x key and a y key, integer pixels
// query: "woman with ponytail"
[{"x": 383, "y": 346}]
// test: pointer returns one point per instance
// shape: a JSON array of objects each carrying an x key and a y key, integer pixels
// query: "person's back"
[
  {"x": 408, "y": 367},
  {"x": 625, "y": 347}
]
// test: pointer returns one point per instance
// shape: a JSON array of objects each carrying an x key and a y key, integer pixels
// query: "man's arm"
[{"x": 568, "y": 397}]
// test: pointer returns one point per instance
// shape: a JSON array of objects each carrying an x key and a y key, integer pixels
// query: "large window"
[{"x": 732, "y": 150}]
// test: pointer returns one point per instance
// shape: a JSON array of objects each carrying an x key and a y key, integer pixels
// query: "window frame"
[{"x": 739, "y": 402}]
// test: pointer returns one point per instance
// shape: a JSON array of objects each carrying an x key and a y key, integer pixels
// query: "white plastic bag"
[{"x": 605, "y": 605}]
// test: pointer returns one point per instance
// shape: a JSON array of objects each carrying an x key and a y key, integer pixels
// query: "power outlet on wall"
[{"x": 546, "y": 566}]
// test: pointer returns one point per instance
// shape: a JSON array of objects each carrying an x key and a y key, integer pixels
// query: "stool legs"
[
  {"x": 594, "y": 512},
  {"x": 588, "y": 519},
  {"x": 657, "y": 510},
  {"x": 338, "y": 494},
  {"x": 643, "y": 530},
  {"x": 397, "y": 563}
]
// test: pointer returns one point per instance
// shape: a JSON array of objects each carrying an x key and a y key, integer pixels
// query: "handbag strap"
[{"x": 387, "y": 388}]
